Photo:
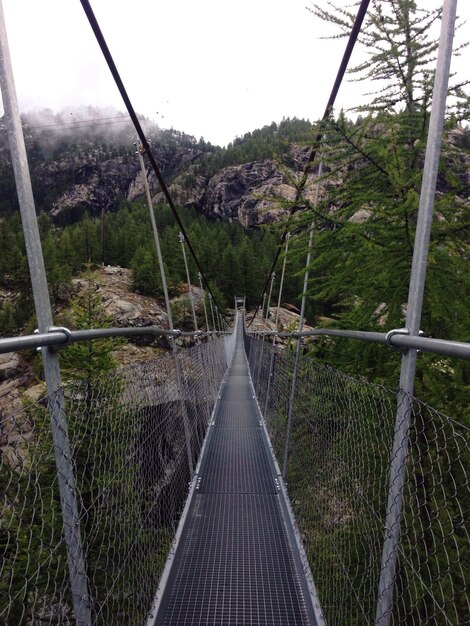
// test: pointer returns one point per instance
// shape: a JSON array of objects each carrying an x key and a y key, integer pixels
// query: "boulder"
[
  {"x": 9, "y": 365},
  {"x": 35, "y": 392}
]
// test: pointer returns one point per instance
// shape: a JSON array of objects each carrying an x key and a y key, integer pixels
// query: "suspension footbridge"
[
  {"x": 236, "y": 561},
  {"x": 176, "y": 510},
  {"x": 237, "y": 480}
]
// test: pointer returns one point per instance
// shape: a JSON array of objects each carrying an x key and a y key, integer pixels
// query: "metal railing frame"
[
  {"x": 407, "y": 340},
  {"x": 60, "y": 337},
  {"x": 397, "y": 339}
]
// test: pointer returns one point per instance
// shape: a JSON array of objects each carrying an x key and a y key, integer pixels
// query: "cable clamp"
[
  {"x": 65, "y": 331},
  {"x": 392, "y": 333},
  {"x": 400, "y": 331},
  {"x": 36, "y": 332},
  {"x": 176, "y": 333},
  {"x": 57, "y": 329}
]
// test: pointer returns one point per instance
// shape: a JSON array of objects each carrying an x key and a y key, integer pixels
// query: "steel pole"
[
  {"x": 258, "y": 371},
  {"x": 268, "y": 389},
  {"x": 273, "y": 276},
  {"x": 301, "y": 325},
  {"x": 156, "y": 236},
  {"x": 413, "y": 318},
  {"x": 179, "y": 375},
  {"x": 191, "y": 297},
  {"x": 63, "y": 457},
  {"x": 212, "y": 313},
  {"x": 204, "y": 301},
  {"x": 208, "y": 330},
  {"x": 281, "y": 285},
  {"x": 263, "y": 305}
]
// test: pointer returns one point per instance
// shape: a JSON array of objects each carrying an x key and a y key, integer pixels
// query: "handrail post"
[
  {"x": 301, "y": 325},
  {"x": 258, "y": 364},
  {"x": 63, "y": 456},
  {"x": 395, "y": 503},
  {"x": 191, "y": 295},
  {"x": 273, "y": 276},
  {"x": 204, "y": 301},
  {"x": 212, "y": 313},
  {"x": 268, "y": 388},
  {"x": 179, "y": 376}
]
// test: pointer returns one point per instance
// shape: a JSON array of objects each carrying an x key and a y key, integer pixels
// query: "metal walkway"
[{"x": 236, "y": 561}]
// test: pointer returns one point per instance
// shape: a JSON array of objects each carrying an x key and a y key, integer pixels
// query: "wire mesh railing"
[
  {"x": 129, "y": 454},
  {"x": 338, "y": 481}
]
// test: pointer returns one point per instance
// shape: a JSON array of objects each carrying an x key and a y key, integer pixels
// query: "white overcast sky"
[{"x": 211, "y": 68}]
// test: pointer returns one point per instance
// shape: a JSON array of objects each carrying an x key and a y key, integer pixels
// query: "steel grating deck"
[{"x": 234, "y": 563}]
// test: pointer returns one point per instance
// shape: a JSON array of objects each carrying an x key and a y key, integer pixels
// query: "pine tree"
[
  {"x": 145, "y": 272},
  {"x": 101, "y": 434},
  {"x": 87, "y": 361}
]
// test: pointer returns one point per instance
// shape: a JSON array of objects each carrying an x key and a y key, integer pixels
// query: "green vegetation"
[
  {"x": 364, "y": 231},
  {"x": 365, "y": 226},
  {"x": 234, "y": 260},
  {"x": 273, "y": 141}
]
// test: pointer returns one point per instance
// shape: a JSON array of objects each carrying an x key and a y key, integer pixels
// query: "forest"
[
  {"x": 363, "y": 226},
  {"x": 235, "y": 261}
]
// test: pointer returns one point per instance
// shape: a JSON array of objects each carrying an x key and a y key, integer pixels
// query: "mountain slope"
[{"x": 85, "y": 162}]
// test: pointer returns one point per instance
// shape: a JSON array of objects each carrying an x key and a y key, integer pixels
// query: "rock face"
[
  {"x": 121, "y": 305},
  {"x": 252, "y": 193},
  {"x": 288, "y": 322},
  {"x": 97, "y": 187},
  {"x": 246, "y": 193},
  {"x": 9, "y": 365},
  {"x": 187, "y": 189},
  {"x": 95, "y": 169},
  {"x": 92, "y": 168}
]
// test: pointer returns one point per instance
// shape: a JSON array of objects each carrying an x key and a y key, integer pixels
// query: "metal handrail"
[
  {"x": 398, "y": 339},
  {"x": 62, "y": 337}
]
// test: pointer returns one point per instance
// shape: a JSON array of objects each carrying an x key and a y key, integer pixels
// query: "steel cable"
[
  {"x": 328, "y": 110},
  {"x": 146, "y": 149}
]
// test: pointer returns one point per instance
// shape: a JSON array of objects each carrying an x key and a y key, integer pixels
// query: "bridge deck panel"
[{"x": 234, "y": 563}]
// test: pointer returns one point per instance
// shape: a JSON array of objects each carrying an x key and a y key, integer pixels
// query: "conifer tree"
[
  {"x": 363, "y": 246},
  {"x": 87, "y": 361},
  {"x": 101, "y": 434},
  {"x": 145, "y": 272},
  {"x": 365, "y": 227}
]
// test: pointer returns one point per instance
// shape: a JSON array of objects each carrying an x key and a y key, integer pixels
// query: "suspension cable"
[
  {"x": 146, "y": 149},
  {"x": 311, "y": 158},
  {"x": 204, "y": 302},
  {"x": 188, "y": 280}
]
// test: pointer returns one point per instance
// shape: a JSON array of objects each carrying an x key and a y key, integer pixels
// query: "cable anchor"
[
  {"x": 57, "y": 329},
  {"x": 399, "y": 331}
]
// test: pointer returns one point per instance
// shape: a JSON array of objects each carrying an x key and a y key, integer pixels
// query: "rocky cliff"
[{"x": 87, "y": 167}]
